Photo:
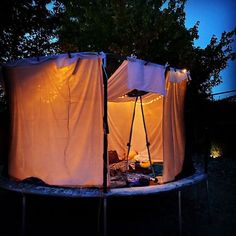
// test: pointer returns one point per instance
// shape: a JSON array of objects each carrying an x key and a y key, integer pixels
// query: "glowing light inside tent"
[
  {"x": 48, "y": 96},
  {"x": 184, "y": 70},
  {"x": 124, "y": 96},
  {"x": 49, "y": 90},
  {"x": 153, "y": 100}
]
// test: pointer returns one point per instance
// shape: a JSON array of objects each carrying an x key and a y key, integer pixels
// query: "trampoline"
[
  {"x": 77, "y": 114},
  {"x": 25, "y": 189}
]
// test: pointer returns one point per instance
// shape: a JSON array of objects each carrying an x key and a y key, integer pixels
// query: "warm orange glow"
[
  {"x": 149, "y": 102},
  {"x": 216, "y": 151},
  {"x": 184, "y": 70}
]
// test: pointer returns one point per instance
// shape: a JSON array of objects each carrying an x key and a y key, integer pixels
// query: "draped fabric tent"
[
  {"x": 57, "y": 107},
  {"x": 163, "y": 111}
]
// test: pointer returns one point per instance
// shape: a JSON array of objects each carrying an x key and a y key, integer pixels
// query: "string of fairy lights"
[{"x": 144, "y": 103}]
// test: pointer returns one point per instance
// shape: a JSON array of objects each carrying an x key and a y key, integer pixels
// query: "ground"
[{"x": 139, "y": 216}]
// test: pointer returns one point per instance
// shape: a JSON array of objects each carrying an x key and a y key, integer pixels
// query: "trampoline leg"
[
  {"x": 23, "y": 220},
  {"x": 195, "y": 191},
  {"x": 104, "y": 216},
  {"x": 208, "y": 206},
  {"x": 180, "y": 212}
]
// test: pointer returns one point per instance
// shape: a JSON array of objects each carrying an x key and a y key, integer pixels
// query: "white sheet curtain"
[
  {"x": 173, "y": 129},
  {"x": 56, "y": 114},
  {"x": 163, "y": 114}
]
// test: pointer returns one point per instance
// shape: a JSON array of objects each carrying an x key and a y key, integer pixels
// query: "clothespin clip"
[
  {"x": 104, "y": 59},
  {"x": 167, "y": 66},
  {"x": 188, "y": 76},
  {"x": 133, "y": 56}
]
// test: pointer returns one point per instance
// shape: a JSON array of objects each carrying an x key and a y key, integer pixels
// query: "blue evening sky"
[{"x": 215, "y": 16}]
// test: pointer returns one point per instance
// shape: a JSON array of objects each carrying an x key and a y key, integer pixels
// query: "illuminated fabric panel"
[{"x": 56, "y": 121}]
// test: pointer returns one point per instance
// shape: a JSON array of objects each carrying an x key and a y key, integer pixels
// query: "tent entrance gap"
[{"x": 139, "y": 96}]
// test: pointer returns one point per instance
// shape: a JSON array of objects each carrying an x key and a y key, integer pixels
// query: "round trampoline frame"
[{"x": 68, "y": 192}]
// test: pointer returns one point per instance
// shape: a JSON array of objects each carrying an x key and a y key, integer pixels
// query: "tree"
[
  {"x": 153, "y": 30},
  {"x": 28, "y": 28}
]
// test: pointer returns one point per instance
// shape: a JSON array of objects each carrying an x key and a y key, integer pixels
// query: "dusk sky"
[{"x": 215, "y": 16}]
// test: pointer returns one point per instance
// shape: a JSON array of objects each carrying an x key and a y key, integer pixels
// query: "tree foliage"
[
  {"x": 28, "y": 29},
  {"x": 127, "y": 27},
  {"x": 153, "y": 30}
]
